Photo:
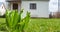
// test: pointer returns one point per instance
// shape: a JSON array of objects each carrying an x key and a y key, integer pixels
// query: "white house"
[
  {"x": 38, "y": 8},
  {"x": 2, "y": 9},
  {"x": 59, "y": 5}
]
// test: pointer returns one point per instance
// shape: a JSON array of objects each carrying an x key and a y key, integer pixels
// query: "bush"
[
  {"x": 56, "y": 15},
  {"x": 50, "y": 15}
]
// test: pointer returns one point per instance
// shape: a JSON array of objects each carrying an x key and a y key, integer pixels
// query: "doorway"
[{"x": 15, "y": 6}]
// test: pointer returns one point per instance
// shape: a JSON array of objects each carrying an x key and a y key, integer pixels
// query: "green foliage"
[
  {"x": 39, "y": 25},
  {"x": 14, "y": 22}
]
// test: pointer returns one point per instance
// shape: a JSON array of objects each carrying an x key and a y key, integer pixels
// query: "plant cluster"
[{"x": 14, "y": 21}]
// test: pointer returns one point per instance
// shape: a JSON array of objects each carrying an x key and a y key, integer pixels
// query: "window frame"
[{"x": 33, "y": 6}]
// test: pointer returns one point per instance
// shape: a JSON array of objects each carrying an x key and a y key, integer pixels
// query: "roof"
[
  {"x": 1, "y": 3},
  {"x": 24, "y": 0},
  {"x": 35, "y": 0},
  {"x": 13, "y": 0}
]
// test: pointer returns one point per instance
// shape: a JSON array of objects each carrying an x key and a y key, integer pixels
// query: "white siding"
[
  {"x": 2, "y": 10},
  {"x": 58, "y": 5},
  {"x": 41, "y": 11},
  {"x": 19, "y": 6},
  {"x": 10, "y": 5}
]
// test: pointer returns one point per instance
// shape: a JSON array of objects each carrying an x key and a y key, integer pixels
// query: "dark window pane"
[{"x": 32, "y": 5}]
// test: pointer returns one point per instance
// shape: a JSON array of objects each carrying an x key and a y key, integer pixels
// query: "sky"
[
  {"x": 2, "y": 0},
  {"x": 53, "y": 5}
]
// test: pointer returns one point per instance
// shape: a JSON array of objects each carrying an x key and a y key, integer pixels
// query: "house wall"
[
  {"x": 41, "y": 11},
  {"x": 2, "y": 10},
  {"x": 10, "y": 5},
  {"x": 58, "y": 5}
]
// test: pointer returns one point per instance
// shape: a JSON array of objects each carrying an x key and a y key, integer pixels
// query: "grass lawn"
[
  {"x": 41, "y": 25},
  {"x": 2, "y": 20}
]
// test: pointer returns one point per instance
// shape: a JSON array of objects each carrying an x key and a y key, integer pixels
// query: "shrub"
[{"x": 56, "y": 15}]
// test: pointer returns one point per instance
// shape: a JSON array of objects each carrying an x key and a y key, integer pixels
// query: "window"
[{"x": 32, "y": 5}]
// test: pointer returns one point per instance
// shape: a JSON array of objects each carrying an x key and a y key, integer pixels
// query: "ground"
[
  {"x": 41, "y": 25},
  {"x": 2, "y": 20}
]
